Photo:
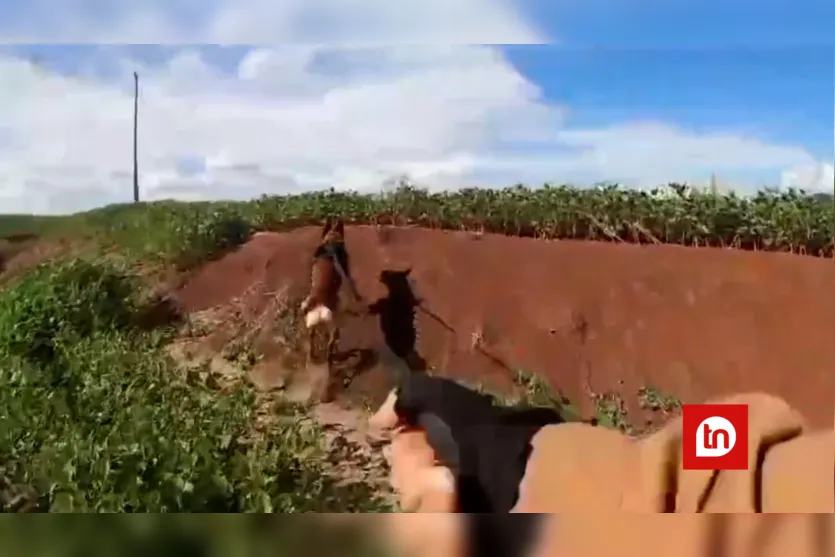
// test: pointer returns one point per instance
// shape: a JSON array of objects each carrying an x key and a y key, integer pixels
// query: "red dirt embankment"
[{"x": 692, "y": 322}]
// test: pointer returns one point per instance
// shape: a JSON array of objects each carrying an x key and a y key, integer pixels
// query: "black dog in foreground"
[{"x": 486, "y": 446}]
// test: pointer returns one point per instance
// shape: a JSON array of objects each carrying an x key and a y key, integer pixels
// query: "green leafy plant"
[
  {"x": 68, "y": 301},
  {"x": 95, "y": 417},
  {"x": 776, "y": 221},
  {"x": 185, "y": 234}
]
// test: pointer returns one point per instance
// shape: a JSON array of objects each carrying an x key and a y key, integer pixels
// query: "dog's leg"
[
  {"x": 333, "y": 340},
  {"x": 316, "y": 318},
  {"x": 309, "y": 345},
  {"x": 311, "y": 342}
]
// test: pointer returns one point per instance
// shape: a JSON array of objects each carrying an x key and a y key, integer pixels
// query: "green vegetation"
[
  {"x": 95, "y": 416},
  {"x": 609, "y": 407},
  {"x": 26, "y": 225},
  {"x": 181, "y": 233},
  {"x": 789, "y": 221}
]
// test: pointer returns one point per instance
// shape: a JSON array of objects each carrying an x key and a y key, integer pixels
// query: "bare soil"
[
  {"x": 691, "y": 322},
  {"x": 19, "y": 254}
]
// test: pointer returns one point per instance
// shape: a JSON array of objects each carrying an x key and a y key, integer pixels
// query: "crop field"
[
  {"x": 98, "y": 418},
  {"x": 790, "y": 221}
]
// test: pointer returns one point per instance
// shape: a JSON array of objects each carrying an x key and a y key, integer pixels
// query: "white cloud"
[
  {"x": 332, "y": 22},
  {"x": 274, "y": 124},
  {"x": 647, "y": 153},
  {"x": 815, "y": 177},
  {"x": 296, "y": 118},
  {"x": 360, "y": 91}
]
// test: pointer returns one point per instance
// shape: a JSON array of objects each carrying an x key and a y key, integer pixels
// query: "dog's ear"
[
  {"x": 339, "y": 227},
  {"x": 407, "y": 272}
]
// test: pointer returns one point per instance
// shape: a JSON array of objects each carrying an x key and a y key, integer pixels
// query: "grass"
[
  {"x": 609, "y": 407},
  {"x": 26, "y": 225},
  {"x": 96, "y": 418}
]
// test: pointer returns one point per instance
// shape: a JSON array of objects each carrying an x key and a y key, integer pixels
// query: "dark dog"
[
  {"x": 485, "y": 446},
  {"x": 479, "y": 452},
  {"x": 331, "y": 268}
]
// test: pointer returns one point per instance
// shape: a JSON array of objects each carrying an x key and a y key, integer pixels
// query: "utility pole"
[{"x": 135, "y": 126}]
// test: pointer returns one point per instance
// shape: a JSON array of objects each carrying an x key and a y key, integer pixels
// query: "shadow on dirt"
[
  {"x": 397, "y": 314},
  {"x": 397, "y": 319},
  {"x": 160, "y": 311},
  {"x": 498, "y": 361},
  {"x": 346, "y": 366}
]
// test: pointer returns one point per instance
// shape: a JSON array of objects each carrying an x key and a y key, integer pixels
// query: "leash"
[{"x": 329, "y": 249}]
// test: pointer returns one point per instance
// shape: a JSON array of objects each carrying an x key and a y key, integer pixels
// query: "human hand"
[{"x": 421, "y": 484}]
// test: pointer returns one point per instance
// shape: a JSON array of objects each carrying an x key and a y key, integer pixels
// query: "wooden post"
[{"x": 135, "y": 126}]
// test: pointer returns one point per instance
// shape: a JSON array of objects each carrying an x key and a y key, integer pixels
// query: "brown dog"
[{"x": 330, "y": 269}]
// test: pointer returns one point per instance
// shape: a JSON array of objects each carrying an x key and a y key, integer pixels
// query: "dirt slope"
[
  {"x": 22, "y": 252},
  {"x": 691, "y": 322}
]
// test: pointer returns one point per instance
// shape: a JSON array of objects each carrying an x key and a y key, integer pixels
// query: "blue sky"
[
  {"x": 640, "y": 92},
  {"x": 779, "y": 93},
  {"x": 595, "y": 23},
  {"x": 688, "y": 23},
  {"x": 782, "y": 94}
]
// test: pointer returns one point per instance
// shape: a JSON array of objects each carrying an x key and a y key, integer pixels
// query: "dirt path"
[
  {"x": 354, "y": 453},
  {"x": 358, "y": 453}
]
